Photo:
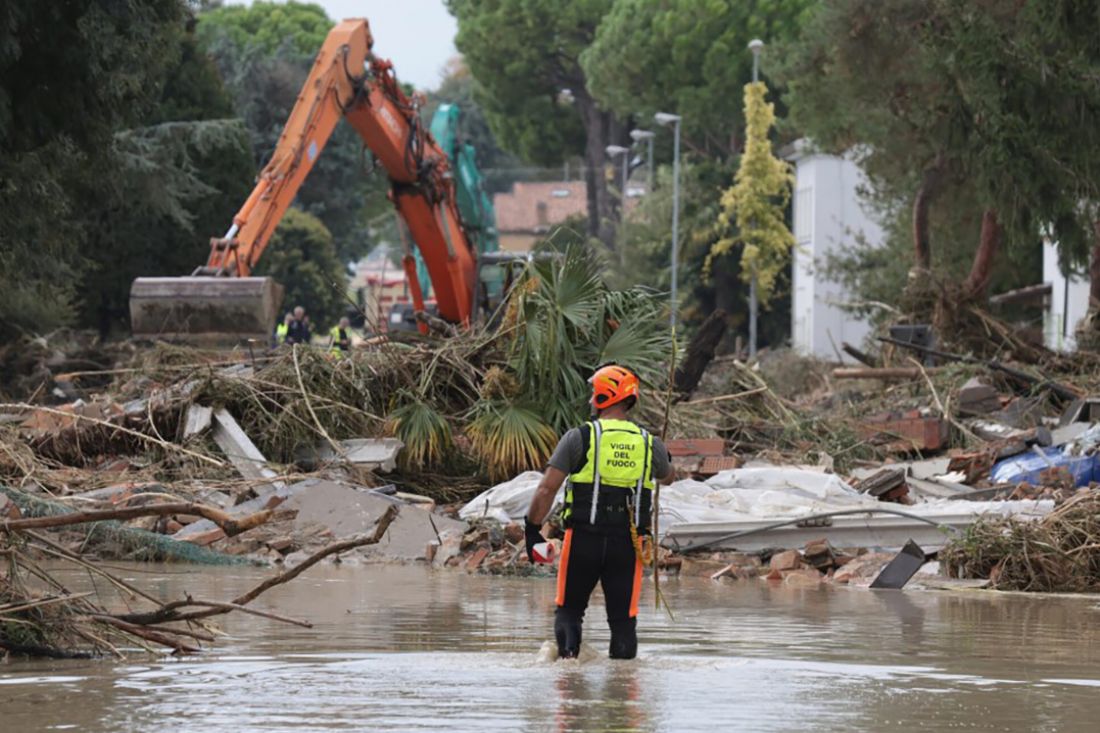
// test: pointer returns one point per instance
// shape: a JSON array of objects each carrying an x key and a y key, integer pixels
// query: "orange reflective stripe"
[
  {"x": 563, "y": 567},
  {"x": 637, "y": 592}
]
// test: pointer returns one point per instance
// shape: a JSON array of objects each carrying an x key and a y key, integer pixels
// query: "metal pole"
[
  {"x": 626, "y": 175},
  {"x": 649, "y": 167},
  {"x": 755, "y": 46},
  {"x": 675, "y": 219}
]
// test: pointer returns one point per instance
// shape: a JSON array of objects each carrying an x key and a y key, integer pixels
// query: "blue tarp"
[{"x": 1026, "y": 467}]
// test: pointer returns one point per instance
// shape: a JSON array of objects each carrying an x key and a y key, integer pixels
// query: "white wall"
[
  {"x": 827, "y": 215},
  {"x": 1069, "y": 301}
]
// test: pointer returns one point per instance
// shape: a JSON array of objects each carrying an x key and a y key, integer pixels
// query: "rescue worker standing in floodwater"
[{"x": 611, "y": 464}]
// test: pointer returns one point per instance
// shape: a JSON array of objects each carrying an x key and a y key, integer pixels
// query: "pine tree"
[{"x": 754, "y": 207}]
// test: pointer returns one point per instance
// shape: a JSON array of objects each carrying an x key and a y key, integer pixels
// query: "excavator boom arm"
[{"x": 348, "y": 81}]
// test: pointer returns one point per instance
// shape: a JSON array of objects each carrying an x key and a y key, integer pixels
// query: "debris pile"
[{"x": 1059, "y": 553}]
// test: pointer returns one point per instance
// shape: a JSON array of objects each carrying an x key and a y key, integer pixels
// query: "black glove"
[{"x": 532, "y": 535}]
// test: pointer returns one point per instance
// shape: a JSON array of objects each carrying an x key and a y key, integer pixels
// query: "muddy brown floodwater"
[{"x": 403, "y": 648}]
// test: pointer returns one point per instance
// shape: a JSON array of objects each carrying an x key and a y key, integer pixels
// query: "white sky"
[{"x": 417, "y": 35}]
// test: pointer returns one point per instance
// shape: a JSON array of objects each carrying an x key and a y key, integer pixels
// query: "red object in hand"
[{"x": 544, "y": 553}]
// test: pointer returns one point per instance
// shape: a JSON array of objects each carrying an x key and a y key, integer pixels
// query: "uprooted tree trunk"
[
  {"x": 1094, "y": 271},
  {"x": 601, "y": 129},
  {"x": 1087, "y": 332},
  {"x": 989, "y": 246},
  {"x": 699, "y": 353},
  {"x": 922, "y": 204}
]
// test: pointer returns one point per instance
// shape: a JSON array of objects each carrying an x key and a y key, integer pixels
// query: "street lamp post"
[
  {"x": 637, "y": 136},
  {"x": 612, "y": 152},
  {"x": 756, "y": 46},
  {"x": 664, "y": 119}
]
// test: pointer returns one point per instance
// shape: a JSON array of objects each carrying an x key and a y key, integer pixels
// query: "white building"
[
  {"x": 1068, "y": 302},
  {"x": 828, "y": 214}
]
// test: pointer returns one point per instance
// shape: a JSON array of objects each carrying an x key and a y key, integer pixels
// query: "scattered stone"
[
  {"x": 513, "y": 532},
  {"x": 802, "y": 578},
  {"x": 863, "y": 569},
  {"x": 820, "y": 555},
  {"x": 475, "y": 560},
  {"x": 786, "y": 560}
]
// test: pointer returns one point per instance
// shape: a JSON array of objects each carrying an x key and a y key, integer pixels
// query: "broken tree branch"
[{"x": 228, "y": 524}]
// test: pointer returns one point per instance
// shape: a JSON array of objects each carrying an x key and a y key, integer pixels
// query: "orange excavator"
[{"x": 220, "y": 302}]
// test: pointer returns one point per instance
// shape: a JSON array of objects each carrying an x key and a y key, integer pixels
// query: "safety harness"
[{"x": 595, "y": 489}]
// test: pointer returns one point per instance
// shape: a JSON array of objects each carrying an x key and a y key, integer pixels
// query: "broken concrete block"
[
  {"x": 197, "y": 420},
  {"x": 449, "y": 545},
  {"x": 240, "y": 450},
  {"x": 978, "y": 398},
  {"x": 863, "y": 568},
  {"x": 378, "y": 454},
  {"x": 786, "y": 560},
  {"x": 348, "y": 511}
]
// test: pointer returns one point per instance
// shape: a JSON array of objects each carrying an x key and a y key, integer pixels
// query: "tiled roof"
[{"x": 518, "y": 211}]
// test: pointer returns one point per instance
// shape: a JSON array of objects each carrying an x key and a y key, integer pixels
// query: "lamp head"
[
  {"x": 666, "y": 118},
  {"x": 614, "y": 150},
  {"x": 639, "y": 135}
]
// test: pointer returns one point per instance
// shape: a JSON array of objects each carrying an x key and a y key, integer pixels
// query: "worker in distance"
[{"x": 611, "y": 465}]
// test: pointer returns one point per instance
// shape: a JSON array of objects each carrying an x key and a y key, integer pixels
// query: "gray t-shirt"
[{"x": 569, "y": 456}]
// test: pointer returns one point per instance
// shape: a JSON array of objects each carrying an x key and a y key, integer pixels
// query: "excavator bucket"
[{"x": 205, "y": 310}]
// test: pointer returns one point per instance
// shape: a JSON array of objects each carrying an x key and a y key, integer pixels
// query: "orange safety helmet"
[{"x": 612, "y": 384}]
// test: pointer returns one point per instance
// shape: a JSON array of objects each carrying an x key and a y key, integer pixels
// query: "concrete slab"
[
  {"x": 348, "y": 511},
  {"x": 380, "y": 453},
  {"x": 197, "y": 419},
  {"x": 240, "y": 450}
]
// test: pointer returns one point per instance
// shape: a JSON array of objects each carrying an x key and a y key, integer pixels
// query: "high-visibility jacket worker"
[
  {"x": 611, "y": 464},
  {"x": 283, "y": 329},
  {"x": 340, "y": 336}
]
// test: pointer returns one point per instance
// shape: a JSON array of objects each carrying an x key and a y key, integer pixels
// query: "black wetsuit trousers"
[{"x": 589, "y": 557}]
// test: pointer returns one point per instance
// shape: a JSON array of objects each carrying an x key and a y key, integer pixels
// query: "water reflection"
[
  {"x": 610, "y": 698},
  {"x": 406, "y": 649}
]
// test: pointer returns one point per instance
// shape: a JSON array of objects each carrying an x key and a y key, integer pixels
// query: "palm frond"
[
  {"x": 425, "y": 433},
  {"x": 509, "y": 439}
]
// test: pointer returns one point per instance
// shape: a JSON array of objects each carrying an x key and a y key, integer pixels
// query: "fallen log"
[
  {"x": 1063, "y": 391},
  {"x": 227, "y": 523}
]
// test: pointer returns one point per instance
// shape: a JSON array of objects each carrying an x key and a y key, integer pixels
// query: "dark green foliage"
[
  {"x": 523, "y": 54},
  {"x": 171, "y": 186},
  {"x": 303, "y": 258},
  {"x": 568, "y": 322},
  {"x": 40, "y": 259},
  {"x": 686, "y": 56},
  {"x": 71, "y": 74},
  {"x": 269, "y": 26},
  {"x": 77, "y": 69},
  {"x": 999, "y": 101}
]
